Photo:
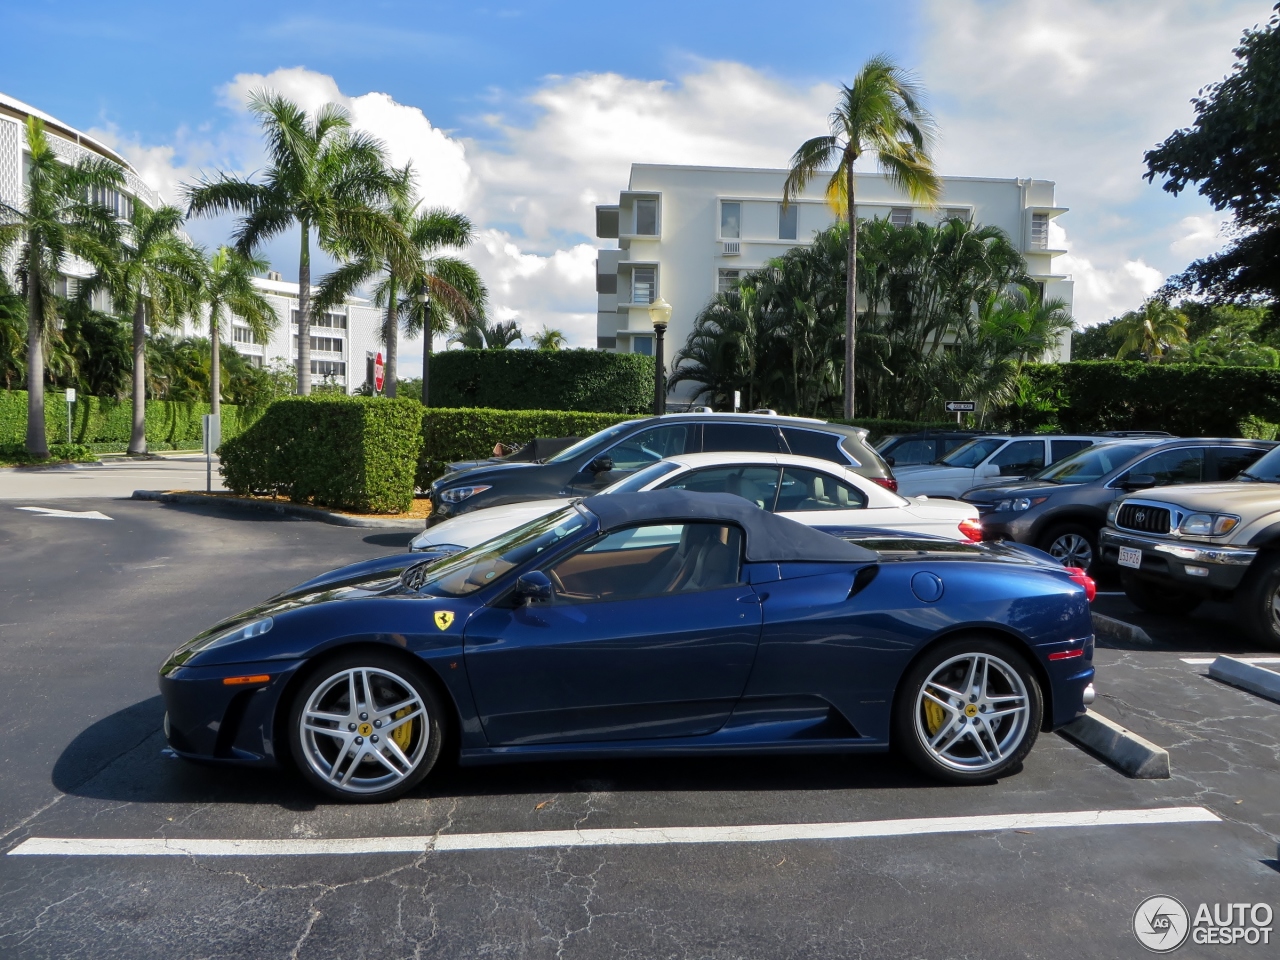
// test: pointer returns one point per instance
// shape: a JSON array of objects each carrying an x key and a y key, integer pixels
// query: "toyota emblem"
[{"x": 1140, "y": 516}]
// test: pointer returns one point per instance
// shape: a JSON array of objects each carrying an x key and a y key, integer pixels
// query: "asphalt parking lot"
[{"x": 92, "y": 606}]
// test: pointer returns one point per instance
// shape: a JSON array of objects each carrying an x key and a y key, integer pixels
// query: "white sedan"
[{"x": 814, "y": 492}]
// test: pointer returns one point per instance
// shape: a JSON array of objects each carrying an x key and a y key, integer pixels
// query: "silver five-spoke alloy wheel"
[
  {"x": 972, "y": 712},
  {"x": 1072, "y": 550},
  {"x": 364, "y": 730}
]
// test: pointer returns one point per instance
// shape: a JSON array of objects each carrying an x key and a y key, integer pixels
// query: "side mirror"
[
  {"x": 988, "y": 470},
  {"x": 1138, "y": 481},
  {"x": 601, "y": 465},
  {"x": 891, "y": 461},
  {"x": 533, "y": 587}
]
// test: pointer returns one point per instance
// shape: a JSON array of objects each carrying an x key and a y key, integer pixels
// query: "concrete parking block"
[
  {"x": 1105, "y": 626},
  {"x": 1123, "y": 749},
  {"x": 1247, "y": 676}
]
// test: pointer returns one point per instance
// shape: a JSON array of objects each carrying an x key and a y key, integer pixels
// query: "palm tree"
[
  {"x": 228, "y": 288},
  {"x": 155, "y": 277},
  {"x": 1150, "y": 331},
  {"x": 323, "y": 177},
  {"x": 58, "y": 219},
  {"x": 881, "y": 113},
  {"x": 549, "y": 339}
]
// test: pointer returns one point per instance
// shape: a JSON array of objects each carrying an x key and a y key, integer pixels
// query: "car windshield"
[
  {"x": 972, "y": 453},
  {"x": 466, "y": 572},
  {"x": 642, "y": 478},
  {"x": 1091, "y": 463},
  {"x": 596, "y": 441},
  {"x": 1266, "y": 469}
]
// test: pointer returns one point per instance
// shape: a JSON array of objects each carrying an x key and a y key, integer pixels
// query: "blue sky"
[{"x": 525, "y": 115}]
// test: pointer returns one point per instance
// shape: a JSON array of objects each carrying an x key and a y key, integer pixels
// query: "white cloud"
[
  {"x": 1103, "y": 292},
  {"x": 1199, "y": 236}
]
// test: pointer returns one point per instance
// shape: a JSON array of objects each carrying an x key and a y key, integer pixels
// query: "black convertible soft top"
[{"x": 770, "y": 538}]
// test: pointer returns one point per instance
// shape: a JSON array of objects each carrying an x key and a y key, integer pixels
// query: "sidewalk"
[{"x": 114, "y": 477}]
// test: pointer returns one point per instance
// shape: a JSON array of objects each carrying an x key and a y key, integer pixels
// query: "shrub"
[
  {"x": 581, "y": 380},
  {"x": 470, "y": 434},
  {"x": 355, "y": 453}
]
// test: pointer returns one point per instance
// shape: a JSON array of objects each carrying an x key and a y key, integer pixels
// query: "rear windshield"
[
  {"x": 973, "y": 452},
  {"x": 1092, "y": 463}
]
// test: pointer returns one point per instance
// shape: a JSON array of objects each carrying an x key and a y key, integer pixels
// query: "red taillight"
[
  {"x": 1078, "y": 576},
  {"x": 971, "y": 529},
  {"x": 887, "y": 482}
]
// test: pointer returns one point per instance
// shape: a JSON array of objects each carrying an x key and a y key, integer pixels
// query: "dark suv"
[
  {"x": 592, "y": 464},
  {"x": 1062, "y": 508},
  {"x": 923, "y": 446}
]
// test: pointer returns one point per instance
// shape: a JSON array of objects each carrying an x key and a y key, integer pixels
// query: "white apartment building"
[{"x": 685, "y": 232}]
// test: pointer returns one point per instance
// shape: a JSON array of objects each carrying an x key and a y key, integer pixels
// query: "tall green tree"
[
  {"x": 322, "y": 177},
  {"x": 1150, "y": 331},
  {"x": 479, "y": 335},
  {"x": 881, "y": 113},
  {"x": 227, "y": 290},
  {"x": 57, "y": 219},
  {"x": 549, "y": 338}
]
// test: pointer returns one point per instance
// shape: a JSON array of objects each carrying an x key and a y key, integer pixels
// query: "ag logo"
[
  {"x": 443, "y": 619},
  {"x": 1161, "y": 924}
]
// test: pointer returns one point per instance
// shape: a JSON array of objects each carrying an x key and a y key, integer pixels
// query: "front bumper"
[
  {"x": 1165, "y": 560},
  {"x": 1006, "y": 525}
]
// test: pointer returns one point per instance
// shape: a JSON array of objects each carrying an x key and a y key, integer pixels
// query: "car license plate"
[{"x": 1130, "y": 557}]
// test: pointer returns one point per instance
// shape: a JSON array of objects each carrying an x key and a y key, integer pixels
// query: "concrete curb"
[
  {"x": 1123, "y": 749},
  {"x": 1119, "y": 630},
  {"x": 288, "y": 509},
  {"x": 1247, "y": 676}
]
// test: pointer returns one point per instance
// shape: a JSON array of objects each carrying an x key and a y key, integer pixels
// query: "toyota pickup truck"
[{"x": 1178, "y": 546}]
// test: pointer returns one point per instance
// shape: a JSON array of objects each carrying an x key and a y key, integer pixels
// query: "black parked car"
[
  {"x": 1062, "y": 508},
  {"x": 594, "y": 463},
  {"x": 923, "y": 446}
]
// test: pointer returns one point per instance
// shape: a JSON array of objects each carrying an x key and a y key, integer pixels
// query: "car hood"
[
  {"x": 940, "y": 509},
  {"x": 992, "y": 492},
  {"x": 485, "y": 471},
  {"x": 918, "y": 471},
  {"x": 476, "y": 527},
  {"x": 1233, "y": 496}
]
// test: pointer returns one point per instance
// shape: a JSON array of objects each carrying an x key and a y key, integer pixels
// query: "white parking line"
[
  {"x": 642, "y": 836},
  {"x": 1202, "y": 661}
]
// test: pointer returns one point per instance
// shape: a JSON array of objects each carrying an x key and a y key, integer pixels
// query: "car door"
[
  {"x": 1019, "y": 458},
  {"x": 1172, "y": 467},
  {"x": 648, "y": 634},
  {"x": 635, "y": 452},
  {"x": 1064, "y": 448}
]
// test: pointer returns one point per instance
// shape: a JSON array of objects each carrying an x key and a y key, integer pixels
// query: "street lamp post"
[
  {"x": 424, "y": 298},
  {"x": 659, "y": 316}
]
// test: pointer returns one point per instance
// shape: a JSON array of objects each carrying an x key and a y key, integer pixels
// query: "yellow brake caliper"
[
  {"x": 403, "y": 734},
  {"x": 934, "y": 717}
]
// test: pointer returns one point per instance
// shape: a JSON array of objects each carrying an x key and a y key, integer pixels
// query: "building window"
[
  {"x": 120, "y": 204},
  {"x": 900, "y": 216},
  {"x": 642, "y": 346},
  {"x": 647, "y": 218},
  {"x": 730, "y": 220},
  {"x": 643, "y": 282},
  {"x": 956, "y": 213},
  {"x": 337, "y": 321},
  {"x": 787, "y": 219},
  {"x": 1040, "y": 231},
  {"x": 244, "y": 335},
  {"x": 606, "y": 283},
  {"x": 329, "y": 368},
  {"x": 330, "y": 344},
  {"x": 727, "y": 280}
]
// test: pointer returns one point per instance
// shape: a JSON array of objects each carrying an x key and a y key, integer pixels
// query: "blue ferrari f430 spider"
[{"x": 649, "y": 624}]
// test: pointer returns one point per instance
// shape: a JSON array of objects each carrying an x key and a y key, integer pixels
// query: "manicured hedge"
[
  {"x": 1191, "y": 400},
  {"x": 104, "y": 425},
  {"x": 354, "y": 453},
  {"x": 470, "y": 434},
  {"x": 580, "y": 380}
]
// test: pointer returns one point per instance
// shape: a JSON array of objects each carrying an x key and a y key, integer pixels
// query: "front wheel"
[
  {"x": 1072, "y": 545},
  {"x": 1259, "y": 603},
  {"x": 968, "y": 711},
  {"x": 1154, "y": 598},
  {"x": 365, "y": 727}
]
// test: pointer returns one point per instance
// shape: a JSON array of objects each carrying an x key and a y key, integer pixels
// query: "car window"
[
  {"x": 1092, "y": 463},
  {"x": 950, "y": 443},
  {"x": 648, "y": 561},
  {"x": 642, "y": 478},
  {"x": 1019, "y": 458},
  {"x": 811, "y": 490},
  {"x": 811, "y": 443},
  {"x": 746, "y": 437},
  {"x": 648, "y": 446},
  {"x": 972, "y": 453},
  {"x": 913, "y": 451},
  {"x": 758, "y": 484},
  {"x": 1064, "y": 448},
  {"x": 1232, "y": 460},
  {"x": 1184, "y": 465},
  {"x": 597, "y": 441}
]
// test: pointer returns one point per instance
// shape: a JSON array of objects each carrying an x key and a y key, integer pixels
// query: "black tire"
[
  {"x": 1155, "y": 598},
  {"x": 1072, "y": 545},
  {"x": 1258, "y": 602},
  {"x": 381, "y": 680},
  {"x": 967, "y": 757}
]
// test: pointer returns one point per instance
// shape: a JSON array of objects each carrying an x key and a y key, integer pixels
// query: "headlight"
[
  {"x": 1208, "y": 524},
  {"x": 1112, "y": 511},
  {"x": 458, "y": 494},
  {"x": 244, "y": 632},
  {"x": 1018, "y": 504}
]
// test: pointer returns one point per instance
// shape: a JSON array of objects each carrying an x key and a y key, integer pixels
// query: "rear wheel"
[
  {"x": 968, "y": 711},
  {"x": 365, "y": 727},
  {"x": 1154, "y": 598},
  {"x": 1072, "y": 545},
  {"x": 1259, "y": 602}
]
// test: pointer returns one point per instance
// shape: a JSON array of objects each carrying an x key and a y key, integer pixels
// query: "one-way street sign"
[{"x": 961, "y": 406}]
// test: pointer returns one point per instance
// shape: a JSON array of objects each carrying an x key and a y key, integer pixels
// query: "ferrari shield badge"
[{"x": 444, "y": 618}]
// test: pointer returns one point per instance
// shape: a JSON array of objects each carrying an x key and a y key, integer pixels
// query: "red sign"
[{"x": 379, "y": 372}]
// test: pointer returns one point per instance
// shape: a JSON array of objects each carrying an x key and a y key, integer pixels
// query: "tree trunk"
[
  {"x": 215, "y": 365},
  {"x": 138, "y": 437},
  {"x": 304, "y": 312},
  {"x": 390, "y": 333},
  {"x": 426, "y": 353},
  {"x": 37, "y": 443},
  {"x": 851, "y": 298}
]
